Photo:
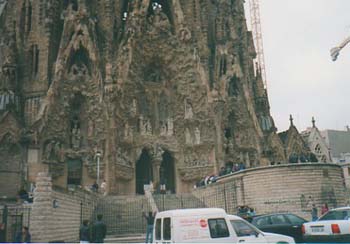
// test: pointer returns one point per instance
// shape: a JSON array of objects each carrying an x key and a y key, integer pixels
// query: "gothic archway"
[
  {"x": 167, "y": 172},
  {"x": 144, "y": 172}
]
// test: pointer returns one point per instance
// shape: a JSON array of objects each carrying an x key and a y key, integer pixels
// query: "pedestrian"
[
  {"x": 84, "y": 233},
  {"x": 2, "y": 233},
  {"x": 94, "y": 187},
  {"x": 314, "y": 214},
  {"x": 99, "y": 230},
  {"x": 104, "y": 188},
  {"x": 23, "y": 236},
  {"x": 324, "y": 209},
  {"x": 150, "y": 223}
]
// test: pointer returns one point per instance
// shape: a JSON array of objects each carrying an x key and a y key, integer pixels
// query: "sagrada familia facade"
[{"x": 160, "y": 89}]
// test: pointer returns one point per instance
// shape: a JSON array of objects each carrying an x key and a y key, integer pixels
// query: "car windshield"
[
  {"x": 242, "y": 228},
  {"x": 337, "y": 215}
]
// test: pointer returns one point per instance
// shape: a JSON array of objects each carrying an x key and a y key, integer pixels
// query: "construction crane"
[
  {"x": 257, "y": 35},
  {"x": 336, "y": 50}
]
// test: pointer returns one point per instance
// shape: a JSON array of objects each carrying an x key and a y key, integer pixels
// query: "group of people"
[
  {"x": 206, "y": 181},
  {"x": 102, "y": 189},
  {"x": 314, "y": 211},
  {"x": 246, "y": 212},
  {"x": 95, "y": 233},
  {"x": 225, "y": 170},
  {"x": 231, "y": 168}
]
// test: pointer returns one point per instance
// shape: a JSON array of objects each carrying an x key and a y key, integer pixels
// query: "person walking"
[
  {"x": 324, "y": 209},
  {"x": 99, "y": 230},
  {"x": 23, "y": 236},
  {"x": 314, "y": 214},
  {"x": 84, "y": 233},
  {"x": 150, "y": 223}
]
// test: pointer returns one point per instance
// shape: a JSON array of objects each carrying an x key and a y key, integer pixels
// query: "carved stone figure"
[
  {"x": 170, "y": 127},
  {"x": 188, "y": 110},
  {"x": 133, "y": 108},
  {"x": 163, "y": 128},
  {"x": 49, "y": 150},
  {"x": 157, "y": 152},
  {"x": 188, "y": 139},
  {"x": 76, "y": 136},
  {"x": 91, "y": 128},
  {"x": 197, "y": 136}
]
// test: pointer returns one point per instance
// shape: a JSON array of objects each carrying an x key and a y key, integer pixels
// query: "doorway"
[
  {"x": 167, "y": 172},
  {"x": 144, "y": 172}
]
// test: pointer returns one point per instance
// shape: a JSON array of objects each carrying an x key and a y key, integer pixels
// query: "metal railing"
[{"x": 14, "y": 218}]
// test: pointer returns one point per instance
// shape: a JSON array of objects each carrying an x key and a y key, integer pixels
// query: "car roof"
[
  {"x": 234, "y": 217},
  {"x": 341, "y": 208},
  {"x": 271, "y": 214},
  {"x": 191, "y": 211}
]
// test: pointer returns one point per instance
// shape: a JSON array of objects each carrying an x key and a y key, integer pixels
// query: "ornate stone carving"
[
  {"x": 188, "y": 109},
  {"x": 197, "y": 136}
]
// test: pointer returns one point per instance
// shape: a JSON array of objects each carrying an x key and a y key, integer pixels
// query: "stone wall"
[
  {"x": 284, "y": 188},
  {"x": 57, "y": 214}
]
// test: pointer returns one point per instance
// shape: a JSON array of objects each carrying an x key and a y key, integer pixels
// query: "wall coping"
[{"x": 238, "y": 174}]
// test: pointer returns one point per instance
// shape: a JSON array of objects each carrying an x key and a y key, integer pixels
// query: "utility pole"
[
  {"x": 257, "y": 35},
  {"x": 98, "y": 156}
]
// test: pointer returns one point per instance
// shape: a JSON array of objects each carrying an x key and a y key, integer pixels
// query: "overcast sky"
[{"x": 302, "y": 78}]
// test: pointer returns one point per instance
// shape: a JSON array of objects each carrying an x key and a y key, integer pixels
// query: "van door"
[
  {"x": 166, "y": 230},
  {"x": 162, "y": 230},
  {"x": 246, "y": 233},
  {"x": 157, "y": 237},
  {"x": 219, "y": 230}
]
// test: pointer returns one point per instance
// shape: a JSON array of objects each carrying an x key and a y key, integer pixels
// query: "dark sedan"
[{"x": 281, "y": 223}]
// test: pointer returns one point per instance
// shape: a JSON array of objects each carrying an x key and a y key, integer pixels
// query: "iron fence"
[
  {"x": 13, "y": 219},
  {"x": 123, "y": 214}
]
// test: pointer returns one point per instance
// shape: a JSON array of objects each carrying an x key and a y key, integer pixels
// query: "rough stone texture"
[
  {"x": 61, "y": 223},
  {"x": 286, "y": 188},
  {"x": 126, "y": 77}
]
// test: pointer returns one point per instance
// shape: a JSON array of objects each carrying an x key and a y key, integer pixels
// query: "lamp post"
[{"x": 98, "y": 156}]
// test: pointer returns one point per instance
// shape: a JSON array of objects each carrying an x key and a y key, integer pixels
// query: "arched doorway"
[
  {"x": 167, "y": 172},
  {"x": 144, "y": 172}
]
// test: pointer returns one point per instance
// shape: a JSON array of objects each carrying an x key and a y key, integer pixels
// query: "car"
[
  {"x": 248, "y": 233},
  {"x": 333, "y": 226},
  {"x": 281, "y": 223},
  {"x": 208, "y": 225}
]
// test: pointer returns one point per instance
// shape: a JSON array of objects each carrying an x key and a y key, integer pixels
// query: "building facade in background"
[
  {"x": 317, "y": 143},
  {"x": 161, "y": 90}
]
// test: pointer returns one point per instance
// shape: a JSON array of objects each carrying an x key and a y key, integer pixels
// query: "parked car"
[
  {"x": 333, "y": 226},
  {"x": 281, "y": 223},
  {"x": 208, "y": 225}
]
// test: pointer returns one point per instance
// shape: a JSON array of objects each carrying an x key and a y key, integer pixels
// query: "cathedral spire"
[
  {"x": 291, "y": 120},
  {"x": 313, "y": 122}
]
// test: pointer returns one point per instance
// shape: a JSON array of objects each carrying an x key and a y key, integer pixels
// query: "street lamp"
[{"x": 98, "y": 156}]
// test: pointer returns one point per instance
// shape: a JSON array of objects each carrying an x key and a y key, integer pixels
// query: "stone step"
[{"x": 140, "y": 238}]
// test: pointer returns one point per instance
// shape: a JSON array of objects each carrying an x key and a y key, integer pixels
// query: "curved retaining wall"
[{"x": 283, "y": 188}]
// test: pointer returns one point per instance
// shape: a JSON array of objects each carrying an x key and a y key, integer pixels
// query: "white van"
[{"x": 208, "y": 225}]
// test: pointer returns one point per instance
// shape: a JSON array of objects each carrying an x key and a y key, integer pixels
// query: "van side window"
[
  {"x": 159, "y": 229},
  {"x": 218, "y": 228},
  {"x": 166, "y": 229}
]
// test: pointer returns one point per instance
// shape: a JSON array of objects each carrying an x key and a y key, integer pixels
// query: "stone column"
[
  {"x": 156, "y": 162},
  {"x": 40, "y": 218}
]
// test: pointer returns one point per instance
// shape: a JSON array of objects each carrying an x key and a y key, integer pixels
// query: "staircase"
[
  {"x": 173, "y": 201},
  {"x": 123, "y": 214}
]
